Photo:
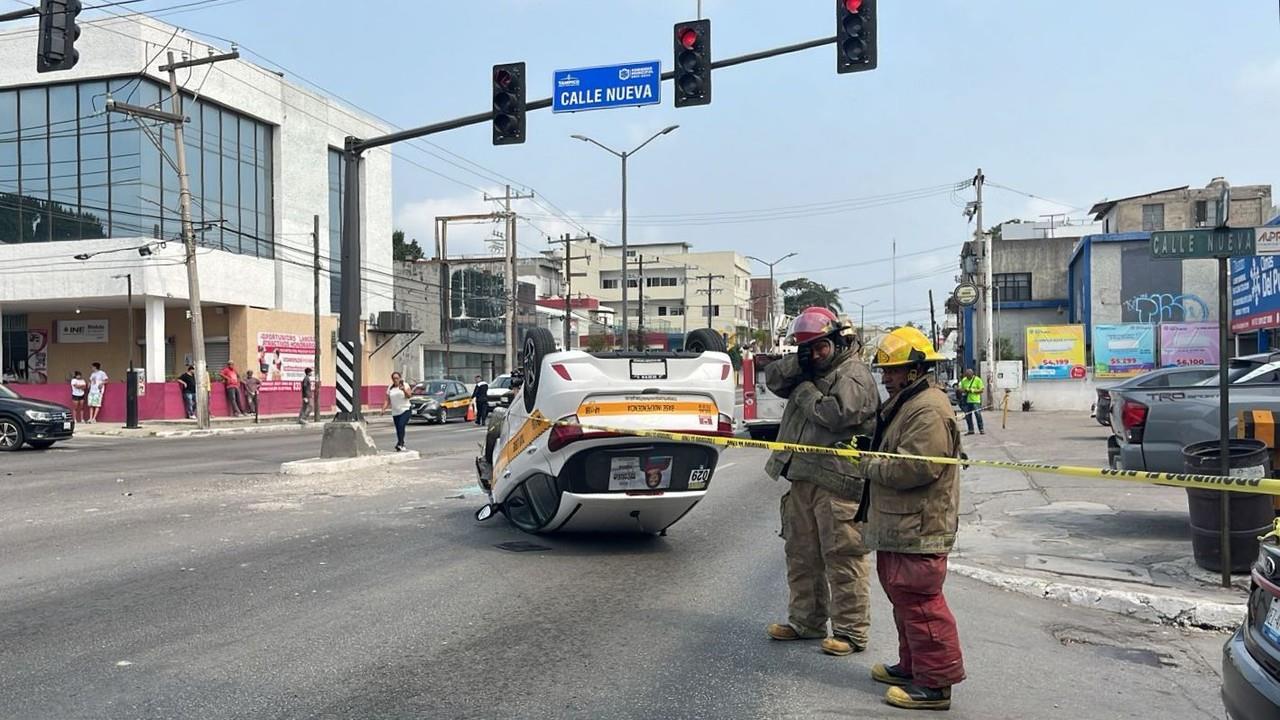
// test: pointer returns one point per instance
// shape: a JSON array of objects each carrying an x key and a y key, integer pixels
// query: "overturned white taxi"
[{"x": 549, "y": 467}]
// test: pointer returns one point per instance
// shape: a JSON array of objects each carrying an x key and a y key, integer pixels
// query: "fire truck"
[{"x": 761, "y": 409}]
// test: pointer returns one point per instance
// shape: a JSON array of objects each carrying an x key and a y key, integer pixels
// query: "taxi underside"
[{"x": 605, "y": 488}]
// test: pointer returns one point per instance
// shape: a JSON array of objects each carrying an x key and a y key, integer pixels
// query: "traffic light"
[
  {"x": 508, "y": 104},
  {"x": 855, "y": 35},
  {"x": 692, "y": 63},
  {"x": 58, "y": 33}
]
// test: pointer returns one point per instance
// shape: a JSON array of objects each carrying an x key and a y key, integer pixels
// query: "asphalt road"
[{"x": 148, "y": 578}]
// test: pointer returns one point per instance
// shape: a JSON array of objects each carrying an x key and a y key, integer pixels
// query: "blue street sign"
[{"x": 607, "y": 86}]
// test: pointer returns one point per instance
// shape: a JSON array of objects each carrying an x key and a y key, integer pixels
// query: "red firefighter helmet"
[{"x": 813, "y": 324}]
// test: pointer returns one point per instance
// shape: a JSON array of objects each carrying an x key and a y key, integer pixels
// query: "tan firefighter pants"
[{"x": 828, "y": 568}]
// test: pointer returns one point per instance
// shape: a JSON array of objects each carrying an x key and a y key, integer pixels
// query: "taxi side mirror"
[{"x": 484, "y": 513}]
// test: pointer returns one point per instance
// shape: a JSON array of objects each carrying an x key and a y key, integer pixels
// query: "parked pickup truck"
[{"x": 1150, "y": 426}]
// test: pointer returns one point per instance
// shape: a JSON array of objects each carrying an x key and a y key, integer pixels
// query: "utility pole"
[
  {"x": 684, "y": 310},
  {"x": 988, "y": 310},
  {"x": 640, "y": 303},
  {"x": 772, "y": 294},
  {"x": 512, "y": 283},
  {"x": 894, "y": 284},
  {"x": 315, "y": 292},
  {"x": 178, "y": 119},
  {"x": 710, "y": 278},
  {"x": 933, "y": 322},
  {"x": 567, "y": 241}
]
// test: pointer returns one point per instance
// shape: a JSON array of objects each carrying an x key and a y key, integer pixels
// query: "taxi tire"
[
  {"x": 538, "y": 344},
  {"x": 705, "y": 340}
]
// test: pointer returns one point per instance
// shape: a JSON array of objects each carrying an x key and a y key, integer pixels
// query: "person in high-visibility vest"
[{"x": 971, "y": 389}]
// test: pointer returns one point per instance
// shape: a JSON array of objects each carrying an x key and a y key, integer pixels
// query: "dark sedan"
[
  {"x": 1163, "y": 377},
  {"x": 31, "y": 422},
  {"x": 1251, "y": 658}
]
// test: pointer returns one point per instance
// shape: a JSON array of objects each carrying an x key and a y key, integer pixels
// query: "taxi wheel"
[
  {"x": 538, "y": 344},
  {"x": 705, "y": 340}
]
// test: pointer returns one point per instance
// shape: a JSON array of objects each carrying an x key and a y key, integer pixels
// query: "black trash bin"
[{"x": 1251, "y": 514}]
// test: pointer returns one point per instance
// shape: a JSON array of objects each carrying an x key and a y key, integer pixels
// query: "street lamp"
[
  {"x": 772, "y": 301},
  {"x": 626, "y": 335},
  {"x": 862, "y": 323}
]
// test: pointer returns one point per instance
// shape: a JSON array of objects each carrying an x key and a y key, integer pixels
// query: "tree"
[
  {"x": 801, "y": 293},
  {"x": 402, "y": 251}
]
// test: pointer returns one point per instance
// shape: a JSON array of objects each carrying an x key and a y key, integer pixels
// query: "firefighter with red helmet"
[{"x": 831, "y": 399}]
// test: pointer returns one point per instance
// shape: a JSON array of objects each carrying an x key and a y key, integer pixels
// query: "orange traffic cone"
[{"x": 471, "y": 412}]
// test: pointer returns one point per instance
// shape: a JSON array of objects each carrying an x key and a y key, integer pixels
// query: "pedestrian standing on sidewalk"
[
  {"x": 97, "y": 391},
  {"x": 971, "y": 389},
  {"x": 188, "y": 382},
  {"x": 397, "y": 401},
  {"x": 308, "y": 395},
  {"x": 480, "y": 396},
  {"x": 231, "y": 381},
  {"x": 831, "y": 398},
  {"x": 911, "y": 508},
  {"x": 79, "y": 391},
  {"x": 251, "y": 385}
]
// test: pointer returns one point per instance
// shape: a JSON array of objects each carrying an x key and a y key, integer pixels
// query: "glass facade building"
[{"x": 71, "y": 171}]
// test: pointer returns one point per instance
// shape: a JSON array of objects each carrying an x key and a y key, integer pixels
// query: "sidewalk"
[
  {"x": 218, "y": 426},
  {"x": 1107, "y": 544}
]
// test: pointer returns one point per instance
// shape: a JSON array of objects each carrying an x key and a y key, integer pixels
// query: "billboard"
[
  {"x": 1255, "y": 293},
  {"x": 1055, "y": 352},
  {"x": 282, "y": 358},
  {"x": 1183, "y": 344},
  {"x": 1123, "y": 350}
]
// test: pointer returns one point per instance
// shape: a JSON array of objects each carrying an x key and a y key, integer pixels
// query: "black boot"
[{"x": 914, "y": 697}]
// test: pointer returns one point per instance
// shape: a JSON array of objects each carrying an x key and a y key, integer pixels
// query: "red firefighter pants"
[{"x": 928, "y": 643}]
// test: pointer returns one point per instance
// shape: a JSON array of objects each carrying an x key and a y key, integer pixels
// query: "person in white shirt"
[
  {"x": 79, "y": 389},
  {"x": 398, "y": 401},
  {"x": 97, "y": 389}
]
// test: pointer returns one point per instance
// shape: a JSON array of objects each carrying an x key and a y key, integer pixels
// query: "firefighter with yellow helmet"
[{"x": 911, "y": 509}]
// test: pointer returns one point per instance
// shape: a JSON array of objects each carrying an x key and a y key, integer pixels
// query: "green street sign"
[{"x": 1204, "y": 243}]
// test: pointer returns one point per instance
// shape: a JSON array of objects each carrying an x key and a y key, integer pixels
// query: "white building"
[
  {"x": 76, "y": 181},
  {"x": 671, "y": 280}
]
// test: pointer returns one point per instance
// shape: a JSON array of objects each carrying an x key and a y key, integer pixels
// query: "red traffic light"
[
  {"x": 688, "y": 38},
  {"x": 853, "y": 6},
  {"x": 502, "y": 77}
]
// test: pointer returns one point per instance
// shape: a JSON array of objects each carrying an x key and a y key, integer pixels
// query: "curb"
[
  {"x": 331, "y": 466},
  {"x": 1155, "y": 608},
  {"x": 236, "y": 430}
]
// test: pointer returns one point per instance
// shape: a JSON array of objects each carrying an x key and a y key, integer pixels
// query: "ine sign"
[{"x": 607, "y": 86}]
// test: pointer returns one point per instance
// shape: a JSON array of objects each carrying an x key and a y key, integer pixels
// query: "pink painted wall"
[{"x": 163, "y": 401}]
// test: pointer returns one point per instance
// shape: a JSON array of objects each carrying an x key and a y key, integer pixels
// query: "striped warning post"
[{"x": 345, "y": 386}]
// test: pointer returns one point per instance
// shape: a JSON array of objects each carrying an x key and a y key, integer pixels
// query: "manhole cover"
[{"x": 521, "y": 546}]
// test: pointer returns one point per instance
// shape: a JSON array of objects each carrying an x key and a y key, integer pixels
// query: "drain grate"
[{"x": 521, "y": 546}]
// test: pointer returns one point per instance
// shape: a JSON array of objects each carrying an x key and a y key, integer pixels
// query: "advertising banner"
[
  {"x": 1055, "y": 352},
  {"x": 38, "y": 357},
  {"x": 1255, "y": 294},
  {"x": 82, "y": 331},
  {"x": 1123, "y": 350},
  {"x": 1183, "y": 344},
  {"x": 282, "y": 358}
]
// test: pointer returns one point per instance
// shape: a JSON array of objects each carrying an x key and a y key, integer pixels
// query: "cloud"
[{"x": 1258, "y": 79}]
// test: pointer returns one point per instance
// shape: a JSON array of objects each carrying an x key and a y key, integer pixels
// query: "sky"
[{"x": 1062, "y": 103}]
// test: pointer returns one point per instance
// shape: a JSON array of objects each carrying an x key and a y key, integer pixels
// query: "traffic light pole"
[{"x": 338, "y": 442}]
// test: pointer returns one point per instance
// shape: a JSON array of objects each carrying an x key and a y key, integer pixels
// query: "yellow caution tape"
[{"x": 1263, "y": 485}]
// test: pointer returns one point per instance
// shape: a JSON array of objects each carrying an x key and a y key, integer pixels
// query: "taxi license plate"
[
  {"x": 1271, "y": 626},
  {"x": 649, "y": 369}
]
